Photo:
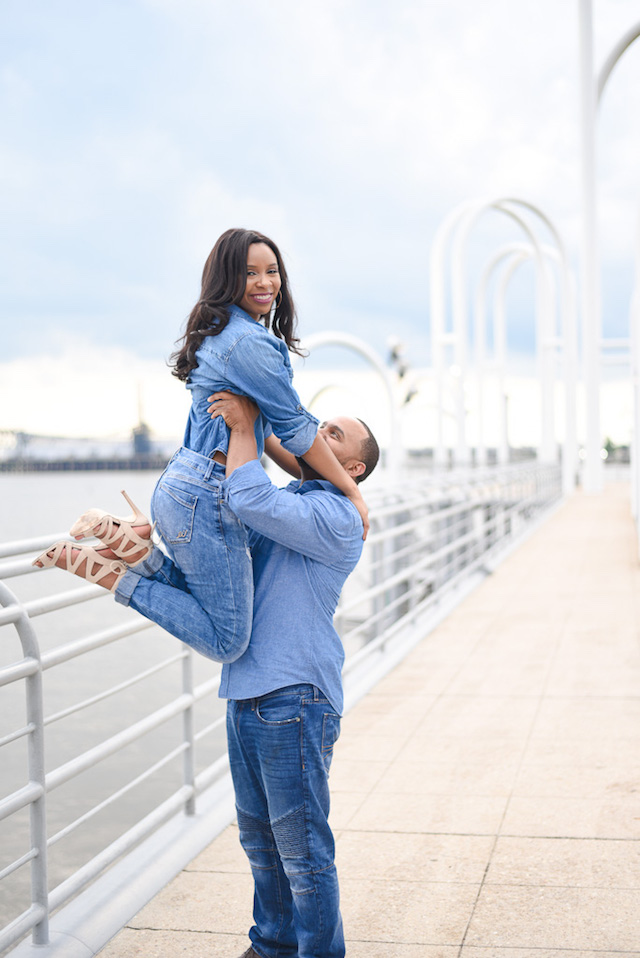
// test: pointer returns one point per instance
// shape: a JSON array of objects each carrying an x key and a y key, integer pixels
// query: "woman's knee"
[{"x": 228, "y": 644}]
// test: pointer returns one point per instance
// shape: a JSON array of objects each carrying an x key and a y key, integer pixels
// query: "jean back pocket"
[{"x": 173, "y": 510}]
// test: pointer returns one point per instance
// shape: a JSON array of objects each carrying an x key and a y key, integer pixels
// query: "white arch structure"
[
  {"x": 592, "y": 88},
  {"x": 329, "y": 387},
  {"x": 509, "y": 258},
  {"x": 359, "y": 346},
  {"x": 455, "y": 230}
]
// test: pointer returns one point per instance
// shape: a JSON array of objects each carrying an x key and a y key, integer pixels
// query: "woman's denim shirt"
[{"x": 246, "y": 358}]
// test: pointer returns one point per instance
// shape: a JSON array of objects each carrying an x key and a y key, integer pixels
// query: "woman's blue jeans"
[
  {"x": 202, "y": 591},
  {"x": 280, "y": 750}
]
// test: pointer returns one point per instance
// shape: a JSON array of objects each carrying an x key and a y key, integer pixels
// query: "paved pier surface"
[{"x": 486, "y": 794}]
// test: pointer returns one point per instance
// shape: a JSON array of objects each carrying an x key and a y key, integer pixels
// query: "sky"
[{"x": 135, "y": 131}]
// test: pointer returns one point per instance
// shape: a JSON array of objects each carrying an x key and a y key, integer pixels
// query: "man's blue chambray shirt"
[
  {"x": 305, "y": 540},
  {"x": 246, "y": 358}
]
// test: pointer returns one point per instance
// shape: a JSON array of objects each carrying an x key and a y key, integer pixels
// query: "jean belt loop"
[{"x": 209, "y": 469}]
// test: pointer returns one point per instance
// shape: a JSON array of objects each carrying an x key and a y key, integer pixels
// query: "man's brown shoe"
[{"x": 250, "y": 953}]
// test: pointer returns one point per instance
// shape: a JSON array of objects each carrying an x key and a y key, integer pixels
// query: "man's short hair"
[{"x": 369, "y": 453}]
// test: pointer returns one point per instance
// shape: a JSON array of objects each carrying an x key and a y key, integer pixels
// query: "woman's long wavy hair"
[{"x": 224, "y": 279}]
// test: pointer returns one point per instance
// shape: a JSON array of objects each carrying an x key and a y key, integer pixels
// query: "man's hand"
[
  {"x": 240, "y": 414},
  {"x": 237, "y": 411}
]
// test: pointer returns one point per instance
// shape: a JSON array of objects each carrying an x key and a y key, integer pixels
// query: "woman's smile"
[{"x": 263, "y": 281}]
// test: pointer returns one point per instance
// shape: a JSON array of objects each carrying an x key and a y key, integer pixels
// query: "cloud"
[
  {"x": 135, "y": 133},
  {"x": 80, "y": 390}
]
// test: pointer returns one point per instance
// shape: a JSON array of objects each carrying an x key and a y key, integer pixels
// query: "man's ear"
[{"x": 355, "y": 468}]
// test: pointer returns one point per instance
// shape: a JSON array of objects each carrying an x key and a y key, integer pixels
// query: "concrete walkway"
[{"x": 486, "y": 794}]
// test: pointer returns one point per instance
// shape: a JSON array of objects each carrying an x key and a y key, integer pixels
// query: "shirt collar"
[
  {"x": 310, "y": 484},
  {"x": 235, "y": 310}
]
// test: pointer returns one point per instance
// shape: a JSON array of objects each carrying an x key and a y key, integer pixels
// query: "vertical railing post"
[
  {"x": 37, "y": 809},
  {"x": 36, "y": 769},
  {"x": 387, "y": 569},
  {"x": 378, "y": 601}
]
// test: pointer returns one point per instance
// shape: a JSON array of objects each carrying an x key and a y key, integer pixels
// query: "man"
[{"x": 285, "y": 691}]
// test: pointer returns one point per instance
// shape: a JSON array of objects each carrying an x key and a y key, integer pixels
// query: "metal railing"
[{"x": 427, "y": 537}]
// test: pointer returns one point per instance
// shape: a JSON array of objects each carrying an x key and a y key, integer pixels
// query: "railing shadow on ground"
[{"x": 114, "y": 760}]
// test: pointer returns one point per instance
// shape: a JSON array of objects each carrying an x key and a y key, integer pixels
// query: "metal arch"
[
  {"x": 517, "y": 201},
  {"x": 591, "y": 91},
  {"x": 625, "y": 41},
  {"x": 520, "y": 252},
  {"x": 621, "y": 46},
  {"x": 470, "y": 211},
  {"x": 321, "y": 392},
  {"x": 459, "y": 310},
  {"x": 516, "y": 253},
  {"x": 500, "y": 320},
  {"x": 367, "y": 352},
  {"x": 437, "y": 305}
]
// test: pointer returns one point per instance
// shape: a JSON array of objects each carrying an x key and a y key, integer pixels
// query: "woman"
[{"x": 227, "y": 345}]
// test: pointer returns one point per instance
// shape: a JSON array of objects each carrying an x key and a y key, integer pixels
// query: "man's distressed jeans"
[{"x": 280, "y": 750}]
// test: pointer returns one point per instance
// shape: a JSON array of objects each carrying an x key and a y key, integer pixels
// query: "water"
[{"x": 34, "y": 504}]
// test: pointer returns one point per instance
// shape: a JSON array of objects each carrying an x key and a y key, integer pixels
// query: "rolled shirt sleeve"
[{"x": 258, "y": 365}]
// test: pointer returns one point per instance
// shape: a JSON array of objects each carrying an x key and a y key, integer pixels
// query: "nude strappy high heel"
[
  {"x": 96, "y": 569},
  {"x": 109, "y": 529}
]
